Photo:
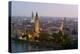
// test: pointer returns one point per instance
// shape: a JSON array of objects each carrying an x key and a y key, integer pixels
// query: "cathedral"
[
  {"x": 35, "y": 30},
  {"x": 35, "y": 27}
]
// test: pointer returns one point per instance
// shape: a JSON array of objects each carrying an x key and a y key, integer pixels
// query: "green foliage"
[
  {"x": 60, "y": 33},
  {"x": 44, "y": 36},
  {"x": 57, "y": 38},
  {"x": 60, "y": 39}
]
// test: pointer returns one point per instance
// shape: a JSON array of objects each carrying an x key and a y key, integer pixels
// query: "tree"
[
  {"x": 60, "y": 39},
  {"x": 65, "y": 42},
  {"x": 56, "y": 38},
  {"x": 43, "y": 36}
]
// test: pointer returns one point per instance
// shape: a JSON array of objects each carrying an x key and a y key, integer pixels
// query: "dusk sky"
[{"x": 44, "y": 9}]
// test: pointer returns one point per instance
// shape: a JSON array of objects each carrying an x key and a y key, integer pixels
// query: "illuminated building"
[
  {"x": 35, "y": 27},
  {"x": 62, "y": 26}
]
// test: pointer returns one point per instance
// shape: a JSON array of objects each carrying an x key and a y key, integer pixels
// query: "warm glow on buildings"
[
  {"x": 62, "y": 25},
  {"x": 35, "y": 27},
  {"x": 36, "y": 24}
]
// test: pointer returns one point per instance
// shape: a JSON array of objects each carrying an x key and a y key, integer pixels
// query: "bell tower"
[
  {"x": 37, "y": 25},
  {"x": 62, "y": 26}
]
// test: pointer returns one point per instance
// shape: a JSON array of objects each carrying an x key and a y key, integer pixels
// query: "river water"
[{"x": 25, "y": 46}]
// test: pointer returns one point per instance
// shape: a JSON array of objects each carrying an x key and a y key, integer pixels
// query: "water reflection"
[{"x": 24, "y": 46}]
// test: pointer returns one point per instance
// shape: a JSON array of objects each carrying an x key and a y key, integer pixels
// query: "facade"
[{"x": 35, "y": 27}]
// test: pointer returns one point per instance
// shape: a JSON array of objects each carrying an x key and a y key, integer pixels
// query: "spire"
[
  {"x": 36, "y": 16},
  {"x": 37, "y": 25},
  {"x": 32, "y": 20},
  {"x": 62, "y": 25},
  {"x": 32, "y": 14}
]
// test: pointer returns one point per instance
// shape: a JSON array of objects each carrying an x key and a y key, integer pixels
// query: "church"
[
  {"x": 35, "y": 30},
  {"x": 35, "y": 27}
]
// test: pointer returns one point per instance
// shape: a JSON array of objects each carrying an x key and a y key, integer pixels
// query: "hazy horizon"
[{"x": 43, "y": 9}]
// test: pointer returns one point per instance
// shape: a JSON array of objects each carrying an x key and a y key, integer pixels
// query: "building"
[{"x": 35, "y": 27}]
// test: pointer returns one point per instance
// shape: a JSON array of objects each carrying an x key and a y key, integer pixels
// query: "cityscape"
[{"x": 43, "y": 33}]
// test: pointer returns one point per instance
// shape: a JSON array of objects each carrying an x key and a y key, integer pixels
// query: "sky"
[{"x": 20, "y": 8}]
